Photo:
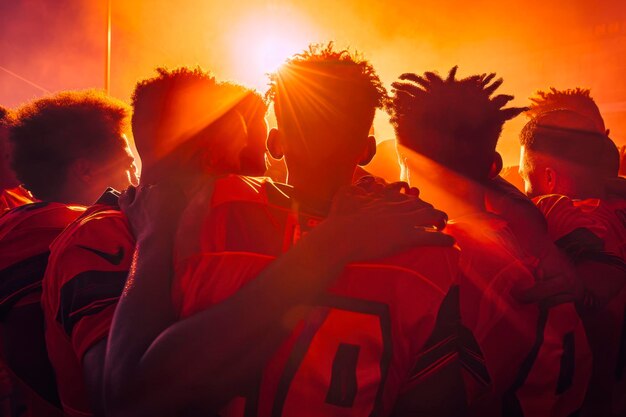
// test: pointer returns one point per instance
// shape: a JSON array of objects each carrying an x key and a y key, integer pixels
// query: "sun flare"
[{"x": 261, "y": 43}]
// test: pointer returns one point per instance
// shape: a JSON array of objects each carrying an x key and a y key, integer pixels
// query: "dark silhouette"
[
  {"x": 12, "y": 194},
  {"x": 566, "y": 163},
  {"x": 448, "y": 130},
  {"x": 213, "y": 364},
  {"x": 66, "y": 148}
]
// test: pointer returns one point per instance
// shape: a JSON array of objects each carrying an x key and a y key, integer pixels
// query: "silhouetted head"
[
  {"x": 455, "y": 123},
  {"x": 7, "y": 176},
  {"x": 70, "y": 146},
  {"x": 325, "y": 101},
  {"x": 185, "y": 115},
  {"x": 577, "y": 100},
  {"x": 564, "y": 153}
]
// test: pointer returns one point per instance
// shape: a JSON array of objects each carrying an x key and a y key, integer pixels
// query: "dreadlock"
[{"x": 456, "y": 123}]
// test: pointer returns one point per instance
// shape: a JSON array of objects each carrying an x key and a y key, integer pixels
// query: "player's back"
[
  {"x": 14, "y": 197},
  {"x": 595, "y": 230},
  {"x": 492, "y": 270},
  {"x": 25, "y": 236},
  {"x": 519, "y": 341},
  {"x": 372, "y": 336},
  {"x": 84, "y": 279}
]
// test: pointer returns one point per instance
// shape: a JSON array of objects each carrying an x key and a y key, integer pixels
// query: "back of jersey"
[
  {"x": 372, "y": 337},
  {"x": 25, "y": 236},
  {"x": 491, "y": 272},
  {"x": 595, "y": 230},
  {"x": 519, "y": 341}
]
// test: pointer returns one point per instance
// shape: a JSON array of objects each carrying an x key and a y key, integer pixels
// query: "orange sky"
[{"x": 60, "y": 44}]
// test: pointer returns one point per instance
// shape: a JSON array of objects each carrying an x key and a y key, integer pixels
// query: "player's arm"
[
  {"x": 156, "y": 364},
  {"x": 93, "y": 375},
  {"x": 577, "y": 236},
  {"x": 587, "y": 253},
  {"x": 557, "y": 281}
]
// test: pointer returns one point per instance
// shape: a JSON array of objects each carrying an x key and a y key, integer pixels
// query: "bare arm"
[
  {"x": 93, "y": 368},
  {"x": 157, "y": 365}
]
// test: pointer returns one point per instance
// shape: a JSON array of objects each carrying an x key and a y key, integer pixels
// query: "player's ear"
[
  {"x": 550, "y": 178},
  {"x": 274, "y": 144},
  {"x": 81, "y": 170},
  {"x": 368, "y": 152},
  {"x": 404, "y": 168},
  {"x": 496, "y": 165}
]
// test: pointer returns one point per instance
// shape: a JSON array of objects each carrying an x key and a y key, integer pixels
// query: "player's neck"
[
  {"x": 450, "y": 192},
  {"x": 316, "y": 191},
  {"x": 455, "y": 198}
]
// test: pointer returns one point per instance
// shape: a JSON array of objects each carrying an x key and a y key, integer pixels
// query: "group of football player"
[{"x": 247, "y": 272}]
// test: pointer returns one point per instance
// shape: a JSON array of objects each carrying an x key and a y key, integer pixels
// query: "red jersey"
[
  {"x": 374, "y": 335},
  {"x": 519, "y": 341},
  {"x": 606, "y": 219},
  {"x": 86, "y": 274},
  {"x": 596, "y": 230},
  {"x": 492, "y": 269},
  {"x": 14, "y": 197},
  {"x": 25, "y": 236}
]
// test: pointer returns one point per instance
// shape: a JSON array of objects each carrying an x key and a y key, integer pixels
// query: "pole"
[{"x": 107, "y": 64}]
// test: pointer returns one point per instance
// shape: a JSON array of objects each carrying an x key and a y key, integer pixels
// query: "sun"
[
  {"x": 272, "y": 50},
  {"x": 263, "y": 41}
]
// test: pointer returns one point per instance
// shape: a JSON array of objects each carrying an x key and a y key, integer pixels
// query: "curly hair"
[
  {"x": 167, "y": 102},
  {"x": 575, "y": 99},
  {"x": 50, "y": 133},
  {"x": 456, "y": 123},
  {"x": 326, "y": 87}
]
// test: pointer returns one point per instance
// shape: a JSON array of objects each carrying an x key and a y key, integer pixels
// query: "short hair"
[
  {"x": 50, "y": 133},
  {"x": 456, "y": 123},
  {"x": 575, "y": 99},
  {"x": 322, "y": 86},
  {"x": 154, "y": 100},
  {"x": 571, "y": 137}
]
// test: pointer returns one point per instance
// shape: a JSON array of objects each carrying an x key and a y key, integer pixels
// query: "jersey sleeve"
[
  {"x": 575, "y": 232},
  {"x": 564, "y": 217},
  {"x": 93, "y": 269}
]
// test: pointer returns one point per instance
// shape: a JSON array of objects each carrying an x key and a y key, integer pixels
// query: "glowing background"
[{"x": 59, "y": 44}]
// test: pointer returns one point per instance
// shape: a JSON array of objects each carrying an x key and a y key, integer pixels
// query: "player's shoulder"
[
  {"x": 552, "y": 204},
  {"x": 240, "y": 188},
  {"x": 39, "y": 215},
  {"x": 14, "y": 197},
  {"x": 483, "y": 229},
  {"x": 434, "y": 267},
  {"x": 101, "y": 230}
]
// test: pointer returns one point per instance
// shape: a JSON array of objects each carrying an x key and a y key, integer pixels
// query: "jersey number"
[{"x": 338, "y": 364}]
